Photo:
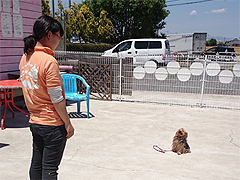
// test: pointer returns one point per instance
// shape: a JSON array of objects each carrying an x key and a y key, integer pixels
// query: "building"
[
  {"x": 17, "y": 19},
  {"x": 235, "y": 43}
]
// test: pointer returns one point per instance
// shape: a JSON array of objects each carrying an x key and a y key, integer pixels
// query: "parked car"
[
  {"x": 220, "y": 50},
  {"x": 142, "y": 50}
]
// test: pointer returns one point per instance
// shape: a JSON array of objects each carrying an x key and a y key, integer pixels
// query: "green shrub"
[{"x": 88, "y": 47}]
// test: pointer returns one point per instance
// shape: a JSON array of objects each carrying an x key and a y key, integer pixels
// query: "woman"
[{"x": 44, "y": 96}]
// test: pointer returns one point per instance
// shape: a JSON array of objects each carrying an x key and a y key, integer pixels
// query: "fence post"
[
  {"x": 187, "y": 60},
  {"x": 64, "y": 39},
  {"x": 120, "y": 76},
  {"x": 203, "y": 80}
]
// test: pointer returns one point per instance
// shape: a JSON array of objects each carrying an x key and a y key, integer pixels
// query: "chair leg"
[
  {"x": 87, "y": 108},
  {"x": 78, "y": 107}
]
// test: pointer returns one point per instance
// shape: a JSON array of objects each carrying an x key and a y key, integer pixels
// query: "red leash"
[{"x": 160, "y": 149}]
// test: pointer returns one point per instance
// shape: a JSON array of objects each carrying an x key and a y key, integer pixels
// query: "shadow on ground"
[
  {"x": 20, "y": 120},
  {"x": 81, "y": 115},
  {"x": 3, "y": 145}
]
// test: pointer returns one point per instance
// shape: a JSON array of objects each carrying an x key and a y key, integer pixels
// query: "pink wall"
[{"x": 11, "y": 48}]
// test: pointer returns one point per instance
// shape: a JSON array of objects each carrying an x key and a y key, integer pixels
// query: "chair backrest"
[{"x": 70, "y": 83}]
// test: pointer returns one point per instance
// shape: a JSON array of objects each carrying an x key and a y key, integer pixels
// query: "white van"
[{"x": 142, "y": 50}]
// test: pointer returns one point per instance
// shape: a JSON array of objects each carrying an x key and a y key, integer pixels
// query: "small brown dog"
[{"x": 180, "y": 145}]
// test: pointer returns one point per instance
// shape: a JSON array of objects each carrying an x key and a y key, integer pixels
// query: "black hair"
[{"x": 41, "y": 27}]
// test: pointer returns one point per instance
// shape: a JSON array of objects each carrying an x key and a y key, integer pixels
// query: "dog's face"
[{"x": 181, "y": 133}]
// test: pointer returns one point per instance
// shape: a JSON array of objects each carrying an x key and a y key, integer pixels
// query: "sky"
[{"x": 220, "y": 19}]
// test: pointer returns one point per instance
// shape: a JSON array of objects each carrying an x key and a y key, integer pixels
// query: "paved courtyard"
[{"x": 117, "y": 143}]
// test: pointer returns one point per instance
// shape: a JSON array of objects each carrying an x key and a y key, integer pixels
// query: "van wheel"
[
  {"x": 157, "y": 64},
  {"x": 161, "y": 64}
]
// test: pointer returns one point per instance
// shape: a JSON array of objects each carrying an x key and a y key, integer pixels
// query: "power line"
[
  {"x": 193, "y": 2},
  {"x": 172, "y": 1}
]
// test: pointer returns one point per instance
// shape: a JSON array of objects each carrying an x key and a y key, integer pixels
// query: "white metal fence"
[{"x": 190, "y": 80}]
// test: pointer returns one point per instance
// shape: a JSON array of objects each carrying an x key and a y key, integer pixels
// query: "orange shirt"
[{"x": 39, "y": 73}]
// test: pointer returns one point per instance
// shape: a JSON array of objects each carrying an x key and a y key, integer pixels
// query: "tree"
[
  {"x": 81, "y": 23},
  {"x": 59, "y": 12},
  {"x": 105, "y": 27},
  {"x": 87, "y": 24},
  {"x": 64, "y": 15},
  {"x": 211, "y": 42},
  {"x": 72, "y": 27},
  {"x": 132, "y": 18},
  {"x": 45, "y": 7},
  {"x": 221, "y": 44}
]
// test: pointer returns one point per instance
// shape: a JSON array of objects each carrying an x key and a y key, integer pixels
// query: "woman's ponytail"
[{"x": 29, "y": 44}]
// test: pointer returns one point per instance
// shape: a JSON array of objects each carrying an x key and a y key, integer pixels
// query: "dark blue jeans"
[{"x": 48, "y": 146}]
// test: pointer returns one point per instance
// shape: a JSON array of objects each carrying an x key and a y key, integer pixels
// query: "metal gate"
[
  {"x": 99, "y": 78},
  {"x": 189, "y": 80}
]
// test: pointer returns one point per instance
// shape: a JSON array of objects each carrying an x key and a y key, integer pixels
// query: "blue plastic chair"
[{"x": 70, "y": 88}]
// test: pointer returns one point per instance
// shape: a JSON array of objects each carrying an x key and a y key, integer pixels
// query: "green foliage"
[
  {"x": 132, "y": 18},
  {"x": 211, "y": 42},
  {"x": 74, "y": 47},
  {"x": 87, "y": 24},
  {"x": 88, "y": 47},
  {"x": 81, "y": 23},
  {"x": 105, "y": 27},
  {"x": 45, "y": 7},
  {"x": 222, "y": 44},
  {"x": 59, "y": 12},
  {"x": 64, "y": 15}
]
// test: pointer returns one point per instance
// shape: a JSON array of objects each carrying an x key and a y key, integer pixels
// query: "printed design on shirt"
[{"x": 29, "y": 76}]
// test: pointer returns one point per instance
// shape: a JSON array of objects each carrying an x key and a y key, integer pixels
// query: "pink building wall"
[{"x": 11, "y": 48}]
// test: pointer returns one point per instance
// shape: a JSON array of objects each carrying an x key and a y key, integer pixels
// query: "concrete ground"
[{"x": 117, "y": 143}]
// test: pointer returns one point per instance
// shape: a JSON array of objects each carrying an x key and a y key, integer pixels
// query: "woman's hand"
[{"x": 70, "y": 130}]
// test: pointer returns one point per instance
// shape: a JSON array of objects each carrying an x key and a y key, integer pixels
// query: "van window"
[
  {"x": 123, "y": 46},
  {"x": 155, "y": 45},
  {"x": 212, "y": 50},
  {"x": 141, "y": 44},
  {"x": 231, "y": 50},
  {"x": 148, "y": 44}
]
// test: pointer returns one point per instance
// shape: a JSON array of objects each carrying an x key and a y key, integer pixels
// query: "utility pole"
[
  {"x": 69, "y": 4},
  {"x": 53, "y": 9}
]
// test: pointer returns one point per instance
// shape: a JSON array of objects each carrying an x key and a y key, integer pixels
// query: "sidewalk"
[{"x": 117, "y": 143}]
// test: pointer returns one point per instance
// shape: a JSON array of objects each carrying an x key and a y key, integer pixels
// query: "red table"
[{"x": 8, "y": 86}]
